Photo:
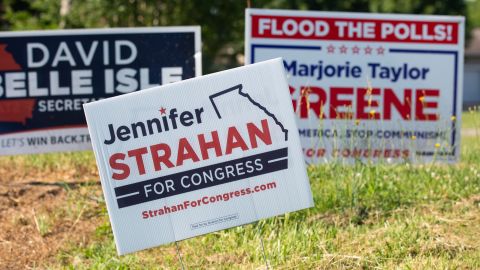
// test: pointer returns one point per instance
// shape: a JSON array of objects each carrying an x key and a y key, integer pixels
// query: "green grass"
[
  {"x": 82, "y": 162},
  {"x": 365, "y": 216},
  {"x": 471, "y": 118}
]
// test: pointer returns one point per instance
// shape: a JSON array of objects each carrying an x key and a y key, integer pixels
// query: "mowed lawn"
[{"x": 365, "y": 216}]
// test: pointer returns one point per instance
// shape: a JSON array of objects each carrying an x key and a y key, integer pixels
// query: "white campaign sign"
[
  {"x": 198, "y": 156},
  {"x": 367, "y": 86}
]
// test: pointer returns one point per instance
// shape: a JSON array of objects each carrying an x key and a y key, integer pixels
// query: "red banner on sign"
[{"x": 320, "y": 28}]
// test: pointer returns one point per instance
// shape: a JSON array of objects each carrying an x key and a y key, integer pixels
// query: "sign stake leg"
[
  {"x": 263, "y": 247},
  {"x": 179, "y": 256}
]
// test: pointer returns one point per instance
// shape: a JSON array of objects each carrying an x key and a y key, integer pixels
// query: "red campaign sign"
[{"x": 322, "y": 28}]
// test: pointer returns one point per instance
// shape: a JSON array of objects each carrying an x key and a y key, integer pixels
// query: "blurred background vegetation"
[{"x": 222, "y": 21}]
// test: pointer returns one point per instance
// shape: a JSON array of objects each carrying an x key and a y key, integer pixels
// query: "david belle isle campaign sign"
[
  {"x": 367, "y": 86},
  {"x": 46, "y": 76},
  {"x": 198, "y": 156}
]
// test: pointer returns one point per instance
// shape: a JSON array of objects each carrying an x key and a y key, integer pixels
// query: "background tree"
[{"x": 222, "y": 21}]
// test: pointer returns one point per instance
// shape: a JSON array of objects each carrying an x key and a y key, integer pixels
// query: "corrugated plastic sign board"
[
  {"x": 198, "y": 156},
  {"x": 369, "y": 87},
  {"x": 46, "y": 76}
]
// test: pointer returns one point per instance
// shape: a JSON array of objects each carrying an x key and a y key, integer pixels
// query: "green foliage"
[
  {"x": 38, "y": 14},
  {"x": 471, "y": 120},
  {"x": 446, "y": 7},
  {"x": 473, "y": 7},
  {"x": 222, "y": 21}
]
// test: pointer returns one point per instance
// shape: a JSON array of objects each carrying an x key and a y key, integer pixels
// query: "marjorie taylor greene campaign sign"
[
  {"x": 367, "y": 86},
  {"x": 46, "y": 76},
  {"x": 199, "y": 155}
]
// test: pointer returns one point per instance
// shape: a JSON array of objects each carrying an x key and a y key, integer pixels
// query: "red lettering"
[
  {"x": 317, "y": 107},
  {"x": 356, "y": 153},
  {"x": 185, "y": 151},
  {"x": 362, "y": 103},
  {"x": 294, "y": 102},
  {"x": 234, "y": 140},
  {"x": 254, "y": 132},
  {"x": 335, "y": 102},
  {"x": 161, "y": 154},
  {"x": 422, "y": 104},
  {"x": 303, "y": 103},
  {"x": 137, "y": 153},
  {"x": 391, "y": 99},
  {"x": 341, "y": 100},
  {"x": 158, "y": 159},
  {"x": 214, "y": 144},
  {"x": 114, "y": 164}
]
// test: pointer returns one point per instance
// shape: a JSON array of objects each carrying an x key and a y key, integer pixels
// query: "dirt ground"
[{"x": 38, "y": 216}]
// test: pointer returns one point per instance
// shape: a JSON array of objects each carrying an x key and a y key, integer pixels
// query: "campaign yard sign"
[
  {"x": 369, "y": 87},
  {"x": 46, "y": 76},
  {"x": 198, "y": 156}
]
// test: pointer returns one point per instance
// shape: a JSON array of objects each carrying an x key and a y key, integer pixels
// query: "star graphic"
[
  {"x": 355, "y": 49},
  {"x": 163, "y": 110},
  {"x": 343, "y": 49},
  {"x": 368, "y": 50},
  {"x": 331, "y": 48},
  {"x": 380, "y": 50}
]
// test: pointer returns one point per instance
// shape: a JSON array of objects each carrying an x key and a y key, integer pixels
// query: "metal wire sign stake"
[
  {"x": 263, "y": 247},
  {"x": 179, "y": 256}
]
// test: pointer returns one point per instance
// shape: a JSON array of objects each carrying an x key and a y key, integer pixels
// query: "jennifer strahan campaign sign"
[
  {"x": 198, "y": 156},
  {"x": 367, "y": 86},
  {"x": 46, "y": 76}
]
